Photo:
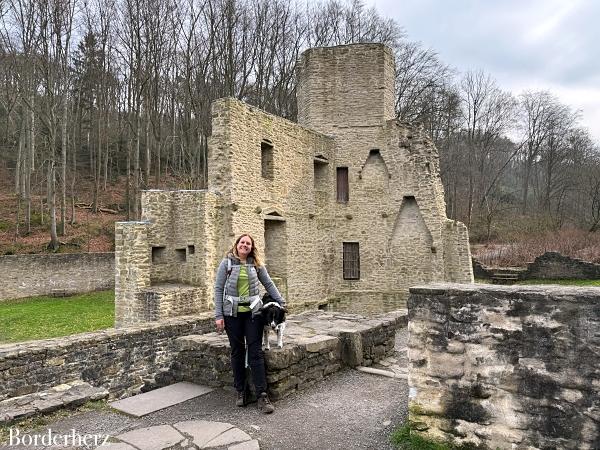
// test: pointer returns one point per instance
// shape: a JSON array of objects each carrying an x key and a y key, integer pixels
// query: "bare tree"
[
  {"x": 487, "y": 115},
  {"x": 536, "y": 110}
]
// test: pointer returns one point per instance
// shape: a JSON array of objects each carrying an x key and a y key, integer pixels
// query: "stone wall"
[
  {"x": 481, "y": 271},
  {"x": 347, "y": 92},
  {"x": 122, "y": 361},
  {"x": 32, "y": 275},
  {"x": 346, "y": 86},
  {"x": 550, "y": 265},
  {"x": 165, "y": 263},
  {"x": 506, "y": 367},
  {"x": 282, "y": 213},
  {"x": 553, "y": 265},
  {"x": 316, "y": 344}
]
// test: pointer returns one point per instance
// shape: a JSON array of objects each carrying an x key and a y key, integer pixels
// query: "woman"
[{"x": 237, "y": 311}]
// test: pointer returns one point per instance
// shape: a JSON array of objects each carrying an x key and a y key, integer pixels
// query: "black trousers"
[{"x": 240, "y": 329}]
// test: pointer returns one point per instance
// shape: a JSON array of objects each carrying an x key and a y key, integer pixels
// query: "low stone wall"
[
  {"x": 316, "y": 344},
  {"x": 68, "y": 273},
  {"x": 506, "y": 367},
  {"x": 123, "y": 361},
  {"x": 480, "y": 271},
  {"x": 552, "y": 265}
]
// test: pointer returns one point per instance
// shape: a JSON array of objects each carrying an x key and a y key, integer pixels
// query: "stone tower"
[{"x": 345, "y": 86}]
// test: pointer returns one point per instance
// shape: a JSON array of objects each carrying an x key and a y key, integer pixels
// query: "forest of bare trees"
[{"x": 109, "y": 90}]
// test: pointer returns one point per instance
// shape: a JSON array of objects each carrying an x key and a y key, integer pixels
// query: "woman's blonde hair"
[{"x": 254, "y": 252}]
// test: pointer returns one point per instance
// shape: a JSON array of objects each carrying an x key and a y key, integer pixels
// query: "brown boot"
[
  {"x": 240, "y": 399},
  {"x": 264, "y": 404}
]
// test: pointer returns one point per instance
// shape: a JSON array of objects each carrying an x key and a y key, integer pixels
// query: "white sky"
[{"x": 523, "y": 44}]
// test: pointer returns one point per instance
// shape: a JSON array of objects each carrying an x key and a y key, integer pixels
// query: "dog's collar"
[{"x": 273, "y": 303}]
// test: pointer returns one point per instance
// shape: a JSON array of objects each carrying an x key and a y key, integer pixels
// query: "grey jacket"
[{"x": 227, "y": 285}]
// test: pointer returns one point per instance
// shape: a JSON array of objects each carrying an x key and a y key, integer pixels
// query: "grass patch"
[
  {"x": 564, "y": 282},
  {"x": 36, "y": 423},
  {"x": 46, "y": 317},
  {"x": 404, "y": 438}
]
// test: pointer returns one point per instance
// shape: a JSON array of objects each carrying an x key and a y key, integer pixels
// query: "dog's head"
[{"x": 273, "y": 314}]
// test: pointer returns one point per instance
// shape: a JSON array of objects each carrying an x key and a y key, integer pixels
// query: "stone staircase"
[{"x": 506, "y": 275}]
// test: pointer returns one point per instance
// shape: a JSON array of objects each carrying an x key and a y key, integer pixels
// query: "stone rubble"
[{"x": 66, "y": 395}]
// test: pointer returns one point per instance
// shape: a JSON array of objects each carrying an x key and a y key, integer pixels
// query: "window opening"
[
  {"x": 191, "y": 249},
  {"x": 158, "y": 255},
  {"x": 342, "y": 185},
  {"x": 180, "y": 252},
  {"x": 266, "y": 159},
  {"x": 351, "y": 261}
]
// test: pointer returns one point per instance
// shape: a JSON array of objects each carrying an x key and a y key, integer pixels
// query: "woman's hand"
[{"x": 220, "y": 323}]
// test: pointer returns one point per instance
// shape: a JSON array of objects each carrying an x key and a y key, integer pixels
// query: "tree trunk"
[
  {"x": 53, "y": 245},
  {"x": 63, "y": 168},
  {"x": 136, "y": 165},
  {"x": 73, "y": 185},
  {"x": 148, "y": 153},
  {"x": 128, "y": 187},
  {"x": 106, "y": 147},
  {"x": 525, "y": 187}
]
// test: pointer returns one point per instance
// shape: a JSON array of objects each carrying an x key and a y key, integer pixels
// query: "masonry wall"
[
  {"x": 506, "y": 367},
  {"x": 457, "y": 253},
  {"x": 286, "y": 207},
  {"x": 122, "y": 361},
  {"x": 133, "y": 256},
  {"x": 32, "y": 275},
  {"x": 552, "y": 265},
  {"x": 183, "y": 229},
  {"x": 347, "y": 92},
  {"x": 165, "y": 263},
  {"x": 345, "y": 86}
]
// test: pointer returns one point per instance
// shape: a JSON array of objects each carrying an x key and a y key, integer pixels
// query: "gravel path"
[{"x": 349, "y": 410}]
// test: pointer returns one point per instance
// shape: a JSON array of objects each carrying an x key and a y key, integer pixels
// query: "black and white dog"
[{"x": 274, "y": 316}]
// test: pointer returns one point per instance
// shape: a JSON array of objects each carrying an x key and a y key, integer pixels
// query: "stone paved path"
[{"x": 190, "y": 434}]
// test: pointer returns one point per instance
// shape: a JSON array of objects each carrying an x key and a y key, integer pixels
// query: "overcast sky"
[{"x": 523, "y": 44}]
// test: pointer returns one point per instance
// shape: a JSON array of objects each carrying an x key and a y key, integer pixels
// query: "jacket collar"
[{"x": 236, "y": 260}]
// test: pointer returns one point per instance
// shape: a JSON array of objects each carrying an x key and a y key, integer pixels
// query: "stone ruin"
[{"x": 348, "y": 201}]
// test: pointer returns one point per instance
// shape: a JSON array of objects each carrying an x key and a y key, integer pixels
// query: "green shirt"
[{"x": 243, "y": 287}]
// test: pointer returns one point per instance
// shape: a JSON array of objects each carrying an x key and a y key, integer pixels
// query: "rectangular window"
[
  {"x": 342, "y": 185},
  {"x": 266, "y": 159},
  {"x": 180, "y": 252},
  {"x": 351, "y": 260},
  {"x": 158, "y": 255}
]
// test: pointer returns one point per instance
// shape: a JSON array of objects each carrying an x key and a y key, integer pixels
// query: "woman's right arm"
[{"x": 220, "y": 280}]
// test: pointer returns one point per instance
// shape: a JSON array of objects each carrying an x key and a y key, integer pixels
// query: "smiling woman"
[{"x": 46, "y": 317}]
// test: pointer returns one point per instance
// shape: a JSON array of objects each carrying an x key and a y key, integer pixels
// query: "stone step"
[
  {"x": 383, "y": 373},
  {"x": 149, "y": 402},
  {"x": 71, "y": 394},
  {"x": 504, "y": 280},
  {"x": 505, "y": 275}
]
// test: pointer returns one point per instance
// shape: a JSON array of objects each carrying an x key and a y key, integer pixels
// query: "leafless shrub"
[{"x": 571, "y": 242}]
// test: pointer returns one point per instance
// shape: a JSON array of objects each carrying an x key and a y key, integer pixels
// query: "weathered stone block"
[{"x": 498, "y": 367}]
